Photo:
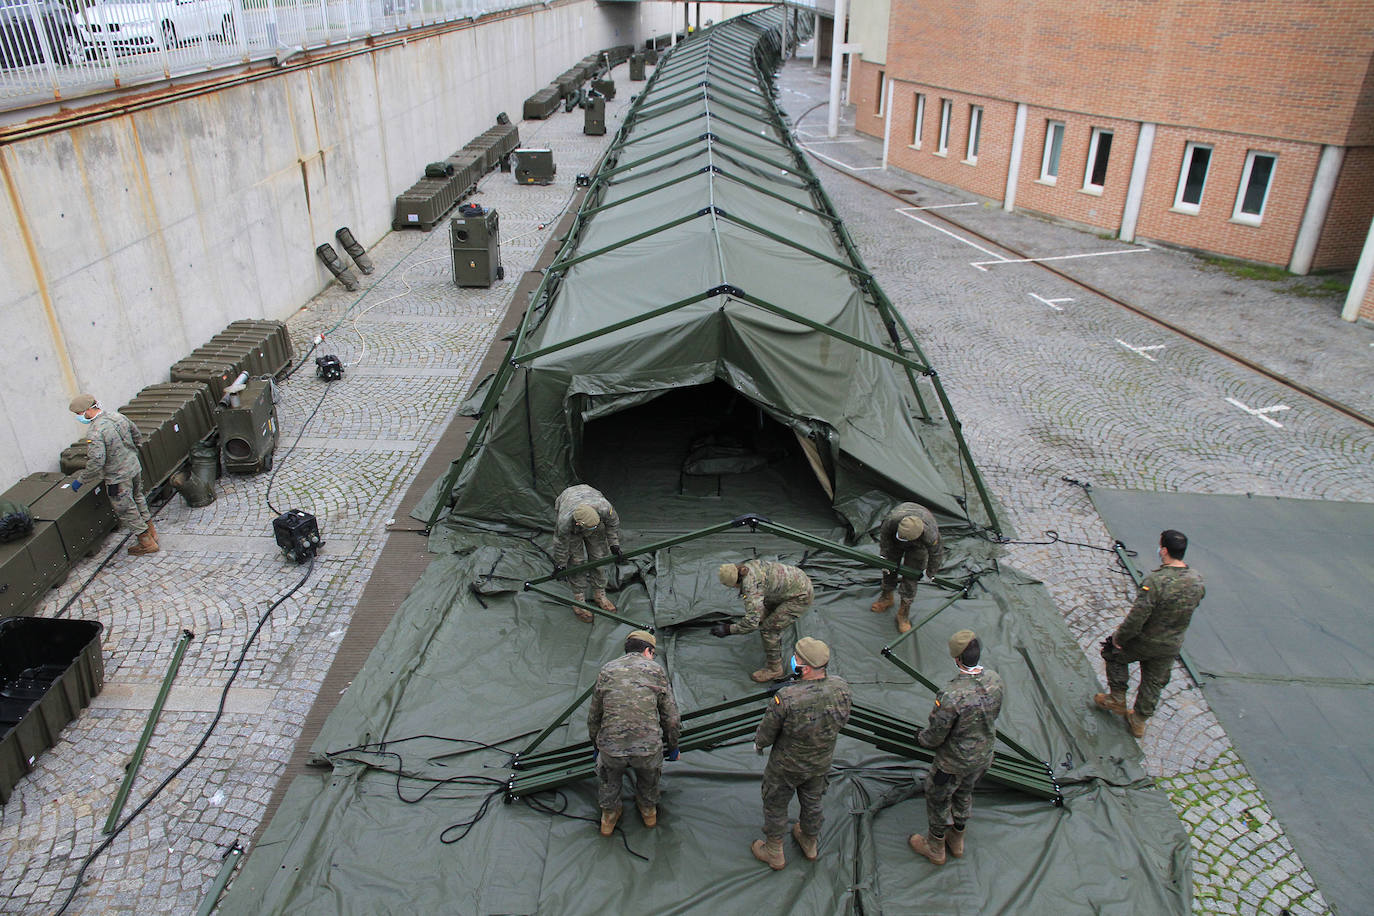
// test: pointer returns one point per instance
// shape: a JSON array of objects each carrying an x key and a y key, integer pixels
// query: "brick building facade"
[{"x": 1241, "y": 129}]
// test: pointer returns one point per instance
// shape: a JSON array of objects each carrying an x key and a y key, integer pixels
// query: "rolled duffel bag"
[
  {"x": 15, "y": 520},
  {"x": 439, "y": 170}
]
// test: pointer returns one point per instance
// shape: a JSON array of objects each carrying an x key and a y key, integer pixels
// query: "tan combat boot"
[
  {"x": 582, "y": 614},
  {"x": 649, "y": 816},
  {"x": 806, "y": 842},
  {"x": 930, "y": 846},
  {"x": 1136, "y": 723},
  {"x": 152, "y": 529},
  {"x": 609, "y": 818},
  {"x": 601, "y": 601},
  {"x": 769, "y": 852},
  {"x": 954, "y": 842},
  {"x": 904, "y": 617},
  {"x": 770, "y": 672},
  {"x": 1113, "y": 702},
  {"x": 146, "y": 544},
  {"x": 883, "y": 603}
]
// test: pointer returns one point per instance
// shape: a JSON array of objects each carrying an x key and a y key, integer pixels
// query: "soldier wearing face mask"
[{"x": 112, "y": 457}]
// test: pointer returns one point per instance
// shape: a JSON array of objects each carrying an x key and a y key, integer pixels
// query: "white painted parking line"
[
  {"x": 1052, "y": 303},
  {"x": 1262, "y": 411},
  {"x": 1141, "y": 351},
  {"x": 843, "y": 165},
  {"x": 924, "y": 222},
  {"x": 971, "y": 203},
  {"x": 1058, "y": 257}
]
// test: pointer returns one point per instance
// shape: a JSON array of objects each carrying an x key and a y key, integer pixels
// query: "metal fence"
[{"x": 51, "y": 49}]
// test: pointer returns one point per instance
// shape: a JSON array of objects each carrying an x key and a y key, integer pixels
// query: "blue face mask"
[
  {"x": 82, "y": 418},
  {"x": 796, "y": 666}
]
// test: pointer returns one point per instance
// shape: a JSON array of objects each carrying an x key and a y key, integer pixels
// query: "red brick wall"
[
  {"x": 1367, "y": 307},
  {"x": 1352, "y": 208},
  {"x": 1066, "y": 198},
  {"x": 1296, "y": 68},
  {"x": 865, "y": 100}
]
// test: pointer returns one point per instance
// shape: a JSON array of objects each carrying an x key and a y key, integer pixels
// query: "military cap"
[
  {"x": 812, "y": 652},
  {"x": 81, "y": 403},
  {"x": 910, "y": 528},
  {"x": 729, "y": 574},
  {"x": 586, "y": 516},
  {"x": 959, "y": 642},
  {"x": 643, "y": 636}
]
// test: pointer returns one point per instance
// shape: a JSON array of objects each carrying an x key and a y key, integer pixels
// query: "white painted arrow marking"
[
  {"x": 1052, "y": 303},
  {"x": 1262, "y": 411},
  {"x": 1141, "y": 351}
]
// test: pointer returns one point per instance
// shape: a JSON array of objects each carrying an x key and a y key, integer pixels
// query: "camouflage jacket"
[
  {"x": 765, "y": 584},
  {"x": 963, "y": 722},
  {"x": 566, "y": 532},
  {"x": 633, "y": 711},
  {"x": 926, "y": 552},
  {"x": 1163, "y": 609},
  {"x": 112, "y": 453},
  {"x": 802, "y": 723}
]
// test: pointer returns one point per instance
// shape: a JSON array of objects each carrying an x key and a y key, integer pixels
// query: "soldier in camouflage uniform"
[
  {"x": 633, "y": 724},
  {"x": 1152, "y": 633},
  {"x": 962, "y": 732},
  {"x": 586, "y": 529},
  {"x": 801, "y": 725},
  {"x": 112, "y": 457},
  {"x": 775, "y": 595},
  {"x": 908, "y": 536}
]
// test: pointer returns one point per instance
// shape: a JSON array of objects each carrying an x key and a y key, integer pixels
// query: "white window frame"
[
  {"x": 882, "y": 91},
  {"x": 918, "y": 123},
  {"x": 1181, "y": 205},
  {"x": 1254, "y": 219},
  {"x": 1045, "y": 176},
  {"x": 975, "y": 134},
  {"x": 1098, "y": 134},
  {"x": 946, "y": 115}
]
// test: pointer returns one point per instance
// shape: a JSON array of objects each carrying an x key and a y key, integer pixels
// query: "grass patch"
[{"x": 1246, "y": 270}]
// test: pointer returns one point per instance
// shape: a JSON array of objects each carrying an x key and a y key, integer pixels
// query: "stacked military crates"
[
  {"x": 67, "y": 526},
  {"x": 618, "y": 54},
  {"x": 450, "y": 180},
  {"x": 543, "y": 103}
]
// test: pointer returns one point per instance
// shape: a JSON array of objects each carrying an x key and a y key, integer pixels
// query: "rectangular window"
[
  {"x": 1054, "y": 145},
  {"x": 918, "y": 123},
  {"x": 1099, "y": 154},
  {"x": 975, "y": 132},
  {"x": 1254, "y": 187},
  {"x": 881, "y": 87},
  {"x": 946, "y": 107},
  {"x": 1192, "y": 177}
]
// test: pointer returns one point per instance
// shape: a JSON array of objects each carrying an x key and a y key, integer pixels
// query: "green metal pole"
[
  {"x": 925, "y": 620},
  {"x": 878, "y": 562},
  {"x": 1125, "y": 559},
  {"x": 131, "y": 770},
  {"x": 573, "y": 602},
  {"x": 562, "y": 717},
  {"x": 226, "y": 871},
  {"x": 640, "y": 551}
]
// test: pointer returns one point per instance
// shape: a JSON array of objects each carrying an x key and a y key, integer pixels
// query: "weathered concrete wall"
[{"x": 128, "y": 242}]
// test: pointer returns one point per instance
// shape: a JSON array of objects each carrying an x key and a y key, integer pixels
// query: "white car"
[{"x": 147, "y": 25}]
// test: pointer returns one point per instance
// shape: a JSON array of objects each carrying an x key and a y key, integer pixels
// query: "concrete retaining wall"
[{"x": 128, "y": 242}]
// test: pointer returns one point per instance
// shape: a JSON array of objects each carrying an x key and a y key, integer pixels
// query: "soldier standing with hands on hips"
[{"x": 112, "y": 456}]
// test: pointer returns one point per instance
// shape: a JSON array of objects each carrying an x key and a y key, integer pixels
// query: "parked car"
[
  {"x": 147, "y": 25},
  {"x": 22, "y": 22}
]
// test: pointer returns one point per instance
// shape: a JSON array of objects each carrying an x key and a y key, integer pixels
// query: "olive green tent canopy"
[{"x": 710, "y": 352}]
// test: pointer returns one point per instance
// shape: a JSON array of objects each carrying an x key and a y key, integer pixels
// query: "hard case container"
[
  {"x": 32, "y": 565},
  {"x": 248, "y": 433},
  {"x": 533, "y": 166},
  {"x": 83, "y": 519}
]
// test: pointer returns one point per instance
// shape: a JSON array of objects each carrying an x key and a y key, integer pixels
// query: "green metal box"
[
  {"x": 32, "y": 488},
  {"x": 73, "y": 457},
  {"x": 543, "y": 103},
  {"x": 49, "y": 671},
  {"x": 605, "y": 86},
  {"x": 476, "y": 244},
  {"x": 82, "y": 518},
  {"x": 266, "y": 345},
  {"x": 637, "y": 68},
  {"x": 594, "y": 118},
  {"x": 533, "y": 166},
  {"x": 216, "y": 373},
  {"x": 29, "y": 567},
  {"x": 248, "y": 432}
]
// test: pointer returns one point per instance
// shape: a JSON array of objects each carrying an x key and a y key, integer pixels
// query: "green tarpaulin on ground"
[{"x": 713, "y": 410}]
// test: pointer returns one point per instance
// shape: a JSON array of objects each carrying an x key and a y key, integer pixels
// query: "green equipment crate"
[
  {"x": 49, "y": 671},
  {"x": 533, "y": 166},
  {"x": 637, "y": 68},
  {"x": 604, "y": 86},
  {"x": 590, "y": 66},
  {"x": 83, "y": 519},
  {"x": 468, "y": 167},
  {"x": 266, "y": 344},
  {"x": 31, "y": 566},
  {"x": 594, "y": 118},
  {"x": 173, "y": 417},
  {"x": 618, "y": 54},
  {"x": 543, "y": 103},
  {"x": 476, "y": 246},
  {"x": 216, "y": 373},
  {"x": 569, "y": 81},
  {"x": 248, "y": 429},
  {"x": 425, "y": 203}
]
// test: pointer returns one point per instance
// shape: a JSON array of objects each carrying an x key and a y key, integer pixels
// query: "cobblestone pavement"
[
  {"x": 410, "y": 341},
  {"x": 1045, "y": 379}
]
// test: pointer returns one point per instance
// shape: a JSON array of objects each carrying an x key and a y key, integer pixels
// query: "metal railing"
[{"x": 54, "y": 50}]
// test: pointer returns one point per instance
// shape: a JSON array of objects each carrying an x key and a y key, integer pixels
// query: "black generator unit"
[
  {"x": 297, "y": 534},
  {"x": 533, "y": 166},
  {"x": 328, "y": 368},
  {"x": 476, "y": 244},
  {"x": 248, "y": 429}
]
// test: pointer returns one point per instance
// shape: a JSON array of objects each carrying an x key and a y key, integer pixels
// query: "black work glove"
[
  {"x": 559, "y": 570},
  {"x": 1109, "y": 648},
  {"x": 720, "y": 629},
  {"x": 671, "y": 755},
  {"x": 619, "y": 554}
]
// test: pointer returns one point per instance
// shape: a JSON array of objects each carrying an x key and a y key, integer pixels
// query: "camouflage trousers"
[
  {"x": 777, "y": 792},
  {"x": 949, "y": 797},
  {"x": 610, "y": 776},
  {"x": 777, "y": 620},
  {"x": 912, "y": 558},
  {"x": 1155, "y": 671},
  {"x": 126, "y": 496},
  {"x": 586, "y": 550}
]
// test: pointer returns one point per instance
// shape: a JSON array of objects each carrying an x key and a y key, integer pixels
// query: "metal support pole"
[
  {"x": 226, "y": 871},
  {"x": 562, "y": 717},
  {"x": 832, "y": 127},
  {"x": 815, "y": 41},
  {"x": 1135, "y": 575},
  {"x": 923, "y": 621},
  {"x": 131, "y": 769},
  {"x": 573, "y": 602}
]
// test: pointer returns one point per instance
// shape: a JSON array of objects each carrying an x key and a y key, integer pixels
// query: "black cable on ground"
[
  {"x": 276, "y": 465},
  {"x": 200, "y": 746},
  {"x": 534, "y": 804},
  {"x": 106, "y": 562}
]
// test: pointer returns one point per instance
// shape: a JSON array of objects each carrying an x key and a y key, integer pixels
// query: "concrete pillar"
[
  {"x": 849, "y": 50},
  {"x": 887, "y": 120},
  {"x": 816, "y": 41},
  {"x": 1135, "y": 191},
  {"x": 672, "y": 28},
  {"x": 1359, "y": 284},
  {"x": 1318, "y": 203},
  {"x": 1018, "y": 143},
  {"x": 832, "y": 126}
]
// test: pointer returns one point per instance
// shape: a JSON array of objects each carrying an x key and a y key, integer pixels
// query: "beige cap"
[
  {"x": 959, "y": 642},
  {"x": 910, "y": 528},
  {"x": 586, "y": 516},
  {"x": 812, "y": 652},
  {"x": 81, "y": 403},
  {"x": 729, "y": 574},
  {"x": 643, "y": 636}
]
